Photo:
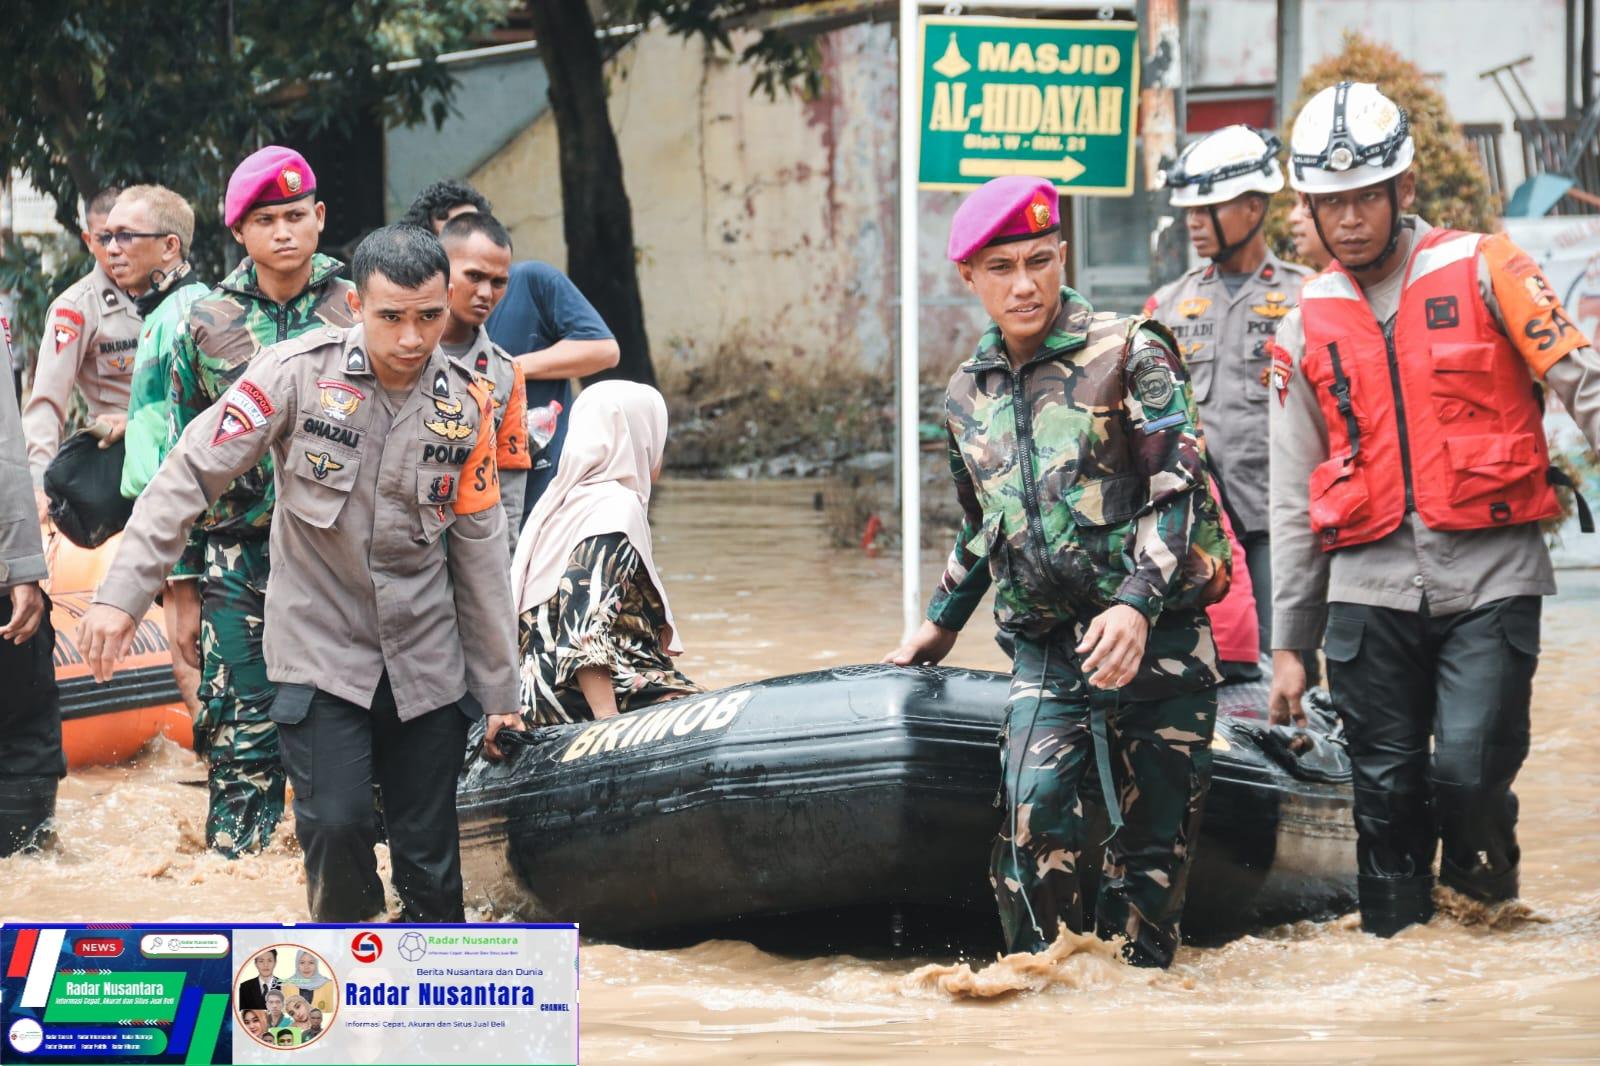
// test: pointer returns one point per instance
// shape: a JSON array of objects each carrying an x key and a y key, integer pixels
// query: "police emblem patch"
[
  {"x": 245, "y": 408},
  {"x": 1152, "y": 382},
  {"x": 1194, "y": 306},
  {"x": 441, "y": 489},
  {"x": 339, "y": 400},
  {"x": 322, "y": 463},
  {"x": 1273, "y": 305},
  {"x": 65, "y": 335},
  {"x": 1186, "y": 350},
  {"x": 448, "y": 425}
]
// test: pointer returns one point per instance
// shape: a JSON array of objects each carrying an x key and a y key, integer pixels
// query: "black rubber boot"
[
  {"x": 1389, "y": 904},
  {"x": 26, "y": 806}
]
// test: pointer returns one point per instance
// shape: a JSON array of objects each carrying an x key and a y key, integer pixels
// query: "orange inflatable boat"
[{"x": 106, "y": 724}]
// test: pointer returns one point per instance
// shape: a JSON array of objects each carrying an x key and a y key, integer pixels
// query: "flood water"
[{"x": 757, "y": 591}]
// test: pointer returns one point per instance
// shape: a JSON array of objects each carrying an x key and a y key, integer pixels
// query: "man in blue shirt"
[{"x": 544, "y": 317}]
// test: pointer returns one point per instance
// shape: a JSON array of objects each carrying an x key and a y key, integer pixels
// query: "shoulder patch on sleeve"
[
  {"x": 1152, "y": 377},
  {"x": 1535, "y": 322}
]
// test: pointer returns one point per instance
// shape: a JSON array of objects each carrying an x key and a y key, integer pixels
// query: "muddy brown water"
[{"x": 758, "y": 592}]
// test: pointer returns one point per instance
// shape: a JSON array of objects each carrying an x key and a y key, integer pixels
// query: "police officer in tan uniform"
[
  {"x": 480, "y": 268},
  {"x": 383, "y": 643},
  {"x": 31, "y": 760},
  {"x": 90, "y": 334},
  {"x": 1225, "y": 314}
]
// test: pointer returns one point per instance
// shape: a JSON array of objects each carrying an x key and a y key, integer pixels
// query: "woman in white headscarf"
[{"x": 595, "y": 630}]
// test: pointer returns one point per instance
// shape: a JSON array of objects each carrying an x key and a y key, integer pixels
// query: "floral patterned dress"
[{"x": 606, "y": 613}]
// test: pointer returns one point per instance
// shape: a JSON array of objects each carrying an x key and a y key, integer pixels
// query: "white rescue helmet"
[
  {"x": 1349, "y": 136},
  {"x": 1225, "y": 164}
]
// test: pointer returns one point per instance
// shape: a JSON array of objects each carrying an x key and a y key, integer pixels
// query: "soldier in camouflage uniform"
[
  {"x": 1087, "y": 505},
  {"x": 282, "y": 289}
]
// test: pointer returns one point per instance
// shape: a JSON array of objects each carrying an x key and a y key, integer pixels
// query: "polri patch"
[{"x": 1152, "y": 382}]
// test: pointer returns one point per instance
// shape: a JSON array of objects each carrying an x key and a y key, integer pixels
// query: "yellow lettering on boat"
[{"x": 580, "y": 747}]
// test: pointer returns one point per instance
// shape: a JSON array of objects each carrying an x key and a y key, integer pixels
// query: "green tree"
[
  {"x": 95, "y": 92},
  {"x": 597, "y": 219},
  {"x": 1451, "y": 187}
]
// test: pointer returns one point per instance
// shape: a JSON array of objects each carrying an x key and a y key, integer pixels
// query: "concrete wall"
[
  {"x": 763, "y": 224},
  {"x": 495, "y": 98}
]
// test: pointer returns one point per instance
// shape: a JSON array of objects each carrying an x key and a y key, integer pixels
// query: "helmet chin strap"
[
  {"x": 1377, "y": 261},
  {"x": 1227, "y": 251}
]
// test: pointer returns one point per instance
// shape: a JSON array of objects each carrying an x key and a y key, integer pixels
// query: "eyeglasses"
[{"x": 124, "y": 238}]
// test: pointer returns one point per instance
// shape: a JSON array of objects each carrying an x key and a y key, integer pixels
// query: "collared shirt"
[
  {"x": 1452, "y": 571},
  {"x": 224, "y": 331},
  {"x": 149, "y": 407},
  {"x": 1223, "y": 338},
  {"x": 364, "y": 580},
  {"x": 21, "y": 547},
  {"x": 497, "y": 372},
  {"x": 90, "y": 334},
  {"x": 543, "y": 306}
]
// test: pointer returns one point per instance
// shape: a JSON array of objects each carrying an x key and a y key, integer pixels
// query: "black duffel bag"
[{"x": 84, "y": 483}]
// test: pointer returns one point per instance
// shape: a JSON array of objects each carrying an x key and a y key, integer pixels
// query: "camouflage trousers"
[
  {"x": 233, "y": 732},
  {"x": 1062, "y": 740}
]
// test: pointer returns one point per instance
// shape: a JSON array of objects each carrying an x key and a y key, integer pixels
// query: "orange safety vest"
[{"x": 1437, "y": 414}]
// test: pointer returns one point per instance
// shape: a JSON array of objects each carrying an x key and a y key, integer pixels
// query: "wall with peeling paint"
[{"x": 765, "y": 224}]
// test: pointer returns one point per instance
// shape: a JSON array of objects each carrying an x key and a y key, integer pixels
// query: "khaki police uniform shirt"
[
  {"x": 21, "y": 546},
  {"x": 1456, "y": 571},
  {"x": 388, "y": 541},
  {"x": 1223, "y": 339},
  {"x": 90, "y": 334}
]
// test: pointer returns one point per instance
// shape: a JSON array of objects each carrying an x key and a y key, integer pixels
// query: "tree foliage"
[
  {"x": 778, "y": 60},
  {"x": 95, "y": 92},
  {"x": 1451, "y": 187}
]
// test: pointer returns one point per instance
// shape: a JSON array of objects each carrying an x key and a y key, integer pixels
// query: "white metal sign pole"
[{"x": 910, "y": 385}]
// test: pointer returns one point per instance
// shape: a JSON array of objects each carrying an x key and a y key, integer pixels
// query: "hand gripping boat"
[
  {"x": 106, "y": 724},
  {"x": 798, "y": 801}
]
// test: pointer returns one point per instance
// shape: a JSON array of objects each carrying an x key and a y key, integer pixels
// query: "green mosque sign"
[{"x": 1055, "y": 100}]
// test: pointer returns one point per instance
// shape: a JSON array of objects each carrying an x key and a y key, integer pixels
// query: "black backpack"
[{"x": 84, "y": 483}]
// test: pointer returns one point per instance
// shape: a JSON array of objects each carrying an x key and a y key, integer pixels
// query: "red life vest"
[{"x": 1441, "y": 415}]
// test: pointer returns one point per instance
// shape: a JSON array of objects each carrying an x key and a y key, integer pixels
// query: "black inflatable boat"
[{"x": 865, "y": 788}]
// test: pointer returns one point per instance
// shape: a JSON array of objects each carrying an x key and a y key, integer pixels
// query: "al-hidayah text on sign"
[{"x": 1051, "y": 99}]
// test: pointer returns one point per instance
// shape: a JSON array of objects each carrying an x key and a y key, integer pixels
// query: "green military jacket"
[
  {"x": 148, "y": 407},
  {"x": 1082, "y": 485},
  {"x": 225, "y": 331}
]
